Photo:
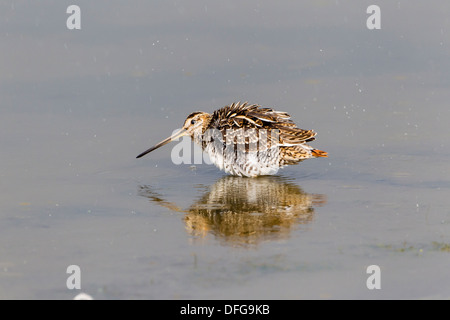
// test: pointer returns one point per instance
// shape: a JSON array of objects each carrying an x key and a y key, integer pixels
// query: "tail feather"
[{"x": 318, "y": 153}]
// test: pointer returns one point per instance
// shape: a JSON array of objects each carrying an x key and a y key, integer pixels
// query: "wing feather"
[{"x": 243, "y": 115}]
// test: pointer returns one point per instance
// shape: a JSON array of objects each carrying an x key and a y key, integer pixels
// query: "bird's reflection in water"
[{"x": 243, "y": 211}]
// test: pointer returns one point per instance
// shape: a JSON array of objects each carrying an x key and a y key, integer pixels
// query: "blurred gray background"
[{"x": 77, "y": 106}]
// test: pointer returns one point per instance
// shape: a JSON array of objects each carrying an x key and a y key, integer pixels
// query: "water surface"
[{"x": 77, "y": 106}]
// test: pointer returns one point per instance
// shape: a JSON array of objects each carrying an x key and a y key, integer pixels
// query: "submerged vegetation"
[{"x": 405, "y": 247}]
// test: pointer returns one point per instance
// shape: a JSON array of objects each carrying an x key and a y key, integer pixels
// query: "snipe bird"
[{"x": 247, "y": 140}]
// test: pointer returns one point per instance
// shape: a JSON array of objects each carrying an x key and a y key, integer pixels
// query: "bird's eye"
[{"x": 193, "y": 121}]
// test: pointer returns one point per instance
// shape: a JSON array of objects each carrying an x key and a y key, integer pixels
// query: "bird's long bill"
[{"x": 176, "y": 135}]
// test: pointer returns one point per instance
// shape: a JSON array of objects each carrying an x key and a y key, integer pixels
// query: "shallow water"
[{"x": 77, "y": 106}]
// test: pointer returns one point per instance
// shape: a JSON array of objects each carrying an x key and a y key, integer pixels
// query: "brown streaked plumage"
[{"x": 247, "y": 140}]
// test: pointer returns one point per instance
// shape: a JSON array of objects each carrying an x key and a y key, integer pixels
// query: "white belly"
[{"x": 251, "y": 164}]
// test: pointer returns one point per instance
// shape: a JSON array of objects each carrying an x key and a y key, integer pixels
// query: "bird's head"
[{"x": 194, "y": 125}]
